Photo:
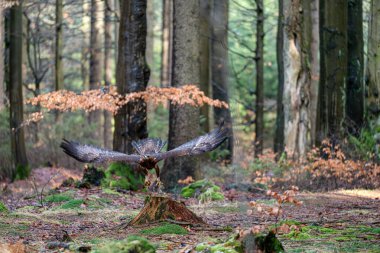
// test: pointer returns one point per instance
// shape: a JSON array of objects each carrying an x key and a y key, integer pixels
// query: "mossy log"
[{"x": 160, "y": 208}]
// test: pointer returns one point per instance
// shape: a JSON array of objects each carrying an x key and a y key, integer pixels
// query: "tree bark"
[
  {"x": 2, "y": 69},
  {"x": 204, "y": 61},
  {"x": 314, "y": 62},
  {"x": 259, "y": 122},
  {"x": 15, "y": 94},
  {"x": 107, "y": 74},
  {"x": 183, "y": 119},
  {"x": 149, "y": 53},
  {"x": 373, "y": 73},
  {"x": 333, "y": 50},
  {"x": 297, "y": 77},
  {"x": 132, "y": 74},
  {"x": 167, "y": 29},
  {"x": 58, "y": 45},
  {"x": 219, "y": 68},
  {"x": 279, "y": 135},
  {"x": 84, "y": 52},
  {"x": 355, "y": 55},
  {"x": 95, "y": 61}
]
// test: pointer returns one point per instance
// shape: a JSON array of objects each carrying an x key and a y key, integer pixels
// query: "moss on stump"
[{"x": 159, "y": 208}]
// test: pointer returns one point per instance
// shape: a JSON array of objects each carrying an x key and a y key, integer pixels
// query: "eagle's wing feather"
[
  {"x": 91, "y": 154},
  {"x": 199, "y": 145}
]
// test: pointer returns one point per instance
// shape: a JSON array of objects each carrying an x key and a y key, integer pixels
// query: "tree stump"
[{"x": 160, "y": 208}]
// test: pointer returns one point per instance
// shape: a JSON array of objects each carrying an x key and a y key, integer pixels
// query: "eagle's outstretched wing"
[
  {"x": 199, "y": 145},
  {"x": 91, "y": 154}
]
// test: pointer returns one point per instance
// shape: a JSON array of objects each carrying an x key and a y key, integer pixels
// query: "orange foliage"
[{"x": 91, "y": 100}]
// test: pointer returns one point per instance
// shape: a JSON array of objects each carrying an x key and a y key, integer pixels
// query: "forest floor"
[{"x": 339, "y": 221}]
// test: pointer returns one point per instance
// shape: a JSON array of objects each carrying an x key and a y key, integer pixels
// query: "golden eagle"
[{"x": 148, "y": 150}]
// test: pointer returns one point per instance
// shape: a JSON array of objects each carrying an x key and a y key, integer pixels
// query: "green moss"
[
  {"x": 119, "y": 175},
  {"x": 166, "y": 228},
  {"x": 72, "y": 204},
  {"x": 111, "y": 192},
  {"x": 133, "y": 244},
  {"x": 208, "y": 191},
  {"x": 55, "y": 198},
  {"x": 3, "y": 208},
  {"x": 22, "y": 172}
]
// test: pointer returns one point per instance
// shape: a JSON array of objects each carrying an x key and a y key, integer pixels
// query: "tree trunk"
[
  {"x": 166, "y": 57},
  {"x": 204, "y": 61},
  {"x": 2, "y": 70},
  {"x": 58, "y": 45},
  {"x": 95, "y": 61},
  {"x": 314, "y": 62},
  {"x": 373, "y": 73},
  {"x": 355, "y": 55},
  {"x": 15, "y": 94},
  {"x": 132, "y": 74},
  {"x": 279, "y": 135},
  {"x": 107, "y": 127},
  {"x": 259, "y": 122},
  {"x": 297, "y": 77},
  {"x": 333, "y": 50},
  {"x": 183, "y": 119},
  {"x": 84, "y": 52},
  {"x": 149, "y": 53},
  {"x": 219, "y": 68},
  {"x": 159, "y": 208}
]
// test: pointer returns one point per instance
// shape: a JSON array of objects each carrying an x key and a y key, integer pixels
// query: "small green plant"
[
  {"x": 166, "y": 228},
  {"x": 22, "y": 172},
  {"x": 204, "y": 190},
  {"x": 364, "y": 144},
  {"x": 133, "y": 244},
  {"x": 119, "y": 175},
  {"x": 3, "y": 208},
  {"x": 56, "y": 198},
  {"x": 72, "y": 204}
]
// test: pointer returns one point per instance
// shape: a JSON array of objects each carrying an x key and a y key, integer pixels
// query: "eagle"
[{"x": 148, "y": 151}]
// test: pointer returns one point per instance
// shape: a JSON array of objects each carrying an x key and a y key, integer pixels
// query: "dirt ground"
[{"x": 340, "y": 221}]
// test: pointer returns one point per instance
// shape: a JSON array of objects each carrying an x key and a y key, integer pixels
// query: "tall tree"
[
  {"x": 58, "y": 45},
  {"x": 204, "y": 60},
  {"x": 355, "y": 55},
  {"x": 219, "y": 66},
  {"x": 2, "y": 70},
  {"x": 107, "y": 73},
  {"x": 373, "y": 73},
  {"x": 149, "y": 53},
  {"x": 314, "y": 62},
  {"x": 167, "y": 28},
  {"x": 259, "y": 57},
  {"x": 86, "y": 6},
  {"x": 279, "y": 135},
  {"x": 297, "y": 76},
  {"x": 183, "y": 120},
  {"x": 95, "y": 59},
  {"x": 15, "y": 93},
  {"x": 333, "y": 53},
  {"x": 132, "y": 74}
]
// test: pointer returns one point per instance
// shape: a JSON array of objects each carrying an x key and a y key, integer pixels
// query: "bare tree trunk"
[
  {"x": 166, "y": 56},
  {"x": 297, "y": 77},
  {"x": 96, "y": 61},
  {"x": 219, "y": 67},
  {"x": 279, "y": 135},
  {"x": 132, "y": 74},
  {"x": 259, "y": 122},
  {"x": 373, "y": 73},
  {"x": 184, "y": 119},
  {"x": 204, "y": 61},
  {"x": 84, "y": 52},
  {"x": 333, "y": 50},
  {"x": 15, "y": 94},
  {"x": 107, "y": 128},
  {"x": 2, "y": 70},
  {"x": 58, "y": 45},
  {"x": 355, "y": 55},
  {"x": 314, "y": 62},
  {"x": 149, "y": 53}
]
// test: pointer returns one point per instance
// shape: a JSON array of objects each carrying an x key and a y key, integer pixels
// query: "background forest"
[{"x": 301, "y": 79}]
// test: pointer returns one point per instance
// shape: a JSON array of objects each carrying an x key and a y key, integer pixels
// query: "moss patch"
[
  {"x": 3, "y": 208},
  {"x": 119, "y": 175},
  {"x": 133, "y": 244},
  {"x": 56, "y": 198},
  {"x": 72, "y": 204},
  {"x": 166, "y": 228},
  {"x": 204, "y": 190}
]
